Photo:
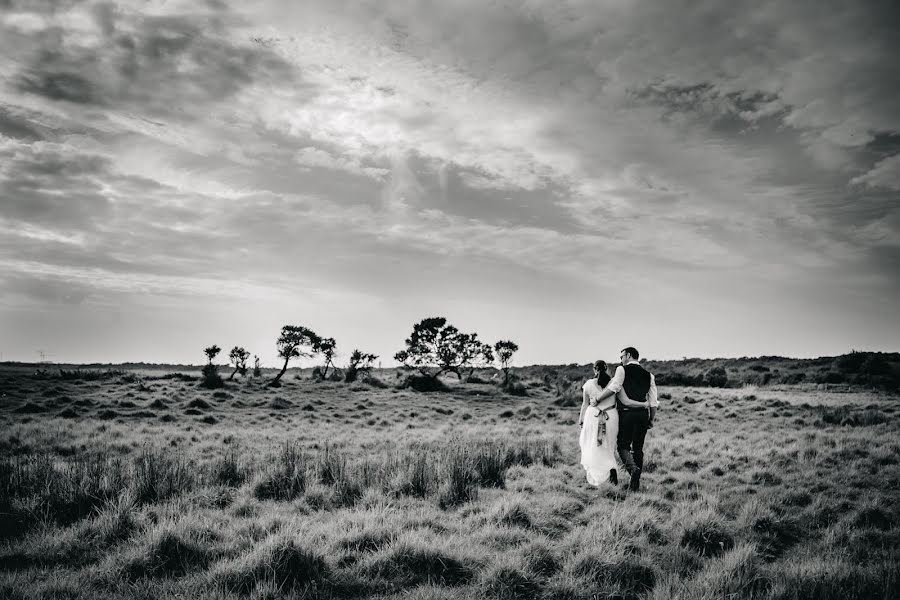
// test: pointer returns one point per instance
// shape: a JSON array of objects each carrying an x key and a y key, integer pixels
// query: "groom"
[{"x": 636, "y": 401}]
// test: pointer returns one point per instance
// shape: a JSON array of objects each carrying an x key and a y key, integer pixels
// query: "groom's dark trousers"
[{"x": 633, "y": 425}]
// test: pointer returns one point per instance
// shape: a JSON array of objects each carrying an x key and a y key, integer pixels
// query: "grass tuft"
[
  {"x": 286, "y": 479},
  {"x": 279, "y": 564},
  {"x": 407, "y": 565},
  {"x": 169, "y": 552},
  {"x": 508, "y": 583},
  {"x": 708, "y": 536},
  {"x": 159, "y": 474}
]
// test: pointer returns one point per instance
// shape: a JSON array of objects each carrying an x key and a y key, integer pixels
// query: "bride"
[{"x": 599, "y": 429}]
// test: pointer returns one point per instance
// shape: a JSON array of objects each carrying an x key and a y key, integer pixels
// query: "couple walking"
[{"x": 615, "y": 415}]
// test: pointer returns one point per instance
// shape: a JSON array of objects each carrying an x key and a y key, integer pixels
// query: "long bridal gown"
[{"x": 598, "y": 456}]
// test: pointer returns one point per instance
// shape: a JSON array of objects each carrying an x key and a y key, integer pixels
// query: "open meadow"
[{"x": 141, "y": 484}]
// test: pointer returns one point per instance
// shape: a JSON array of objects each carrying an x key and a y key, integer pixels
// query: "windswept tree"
[
  {"x": 211, "y": 352},
  {"x": 505, "y": 350},
  {"x": 327, "y": 346},
  {"x": 474, "y": 353},
  {"x": 238, "y": 359},
  {"x": 360, "y": 362},
  {"x": 436, "y": 347},
  {"x": 295, "y": 341}
]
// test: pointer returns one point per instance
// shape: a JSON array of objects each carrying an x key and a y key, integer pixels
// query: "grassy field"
[{"x": 143, "y": 485}]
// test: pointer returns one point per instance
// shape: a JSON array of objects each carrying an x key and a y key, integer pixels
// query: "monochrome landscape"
[{"x": 335, "y": 299}]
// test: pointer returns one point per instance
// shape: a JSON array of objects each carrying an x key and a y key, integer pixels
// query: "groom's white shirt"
[{"x": 618, "y": 381}]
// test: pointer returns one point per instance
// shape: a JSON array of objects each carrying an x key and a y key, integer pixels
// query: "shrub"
[
  {"x": 211, "y": 379},
  {"x": 422, "y": 383},
  {"x": 514, "y": 387},
  {"x": 716, "y": 377},
  {"x": 832, "y": 377}
]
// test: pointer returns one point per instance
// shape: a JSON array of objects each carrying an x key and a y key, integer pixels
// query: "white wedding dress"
[{"x": 598, "y": 456}]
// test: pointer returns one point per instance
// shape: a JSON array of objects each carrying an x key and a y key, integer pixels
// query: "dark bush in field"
[
  {"x": 211, "y": 379},
  {"x": 716, "y": 377},
  {"x": 422, "y": 383}
]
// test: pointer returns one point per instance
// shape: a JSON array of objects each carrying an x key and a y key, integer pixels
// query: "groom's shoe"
[
  {"x": 635, "y": 484},
  {"x": 614, "y": 477}
]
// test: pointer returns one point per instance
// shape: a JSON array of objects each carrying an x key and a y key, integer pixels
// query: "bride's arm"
[
  {"x": 585, "y": 400},
  {"x": 632, "y": 403}
]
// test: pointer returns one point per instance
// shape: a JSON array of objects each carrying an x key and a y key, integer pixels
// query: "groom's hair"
[{"x": 633, "y": 352}]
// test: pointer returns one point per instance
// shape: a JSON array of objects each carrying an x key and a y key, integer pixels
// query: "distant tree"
[
  {"x": 436, "y": 347},
  {"x": 257, "y": 371},
  {"x": 294, "y": 341},
  {"x": 211, "y": 378},
  {"x": 474, "y": 353},
  {"x": 327, "y": 347},
  {"x": 360, "y": 362},
  {"x": 402, "y": 357},
  {"x": 505, "y": 350},
  {"x": 211, "y": 352},
  {"x": 238, "y": 358}
]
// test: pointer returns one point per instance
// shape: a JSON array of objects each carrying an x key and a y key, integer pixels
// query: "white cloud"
[{"x": 885, "y": 174}]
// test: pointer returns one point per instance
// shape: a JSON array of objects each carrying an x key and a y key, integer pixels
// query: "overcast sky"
[{"x": 694, "y": 178}]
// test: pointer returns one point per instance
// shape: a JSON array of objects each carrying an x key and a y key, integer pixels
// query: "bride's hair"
[{"x": 602, "y": 374}]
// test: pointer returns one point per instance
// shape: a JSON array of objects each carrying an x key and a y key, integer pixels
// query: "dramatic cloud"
[{"x": 179, "y": 171}]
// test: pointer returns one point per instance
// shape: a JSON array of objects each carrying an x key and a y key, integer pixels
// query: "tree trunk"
[
  {"x": 230, "y": 377},
  {"x": 325, "y": 372},
  {"x": 283, "y": 369}
]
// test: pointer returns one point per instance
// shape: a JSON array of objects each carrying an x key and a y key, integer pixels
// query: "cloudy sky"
[{"x": 693, "y": 178}]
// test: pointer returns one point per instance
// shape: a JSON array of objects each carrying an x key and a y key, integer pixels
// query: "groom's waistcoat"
[{"x": 637, "y": 382}]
